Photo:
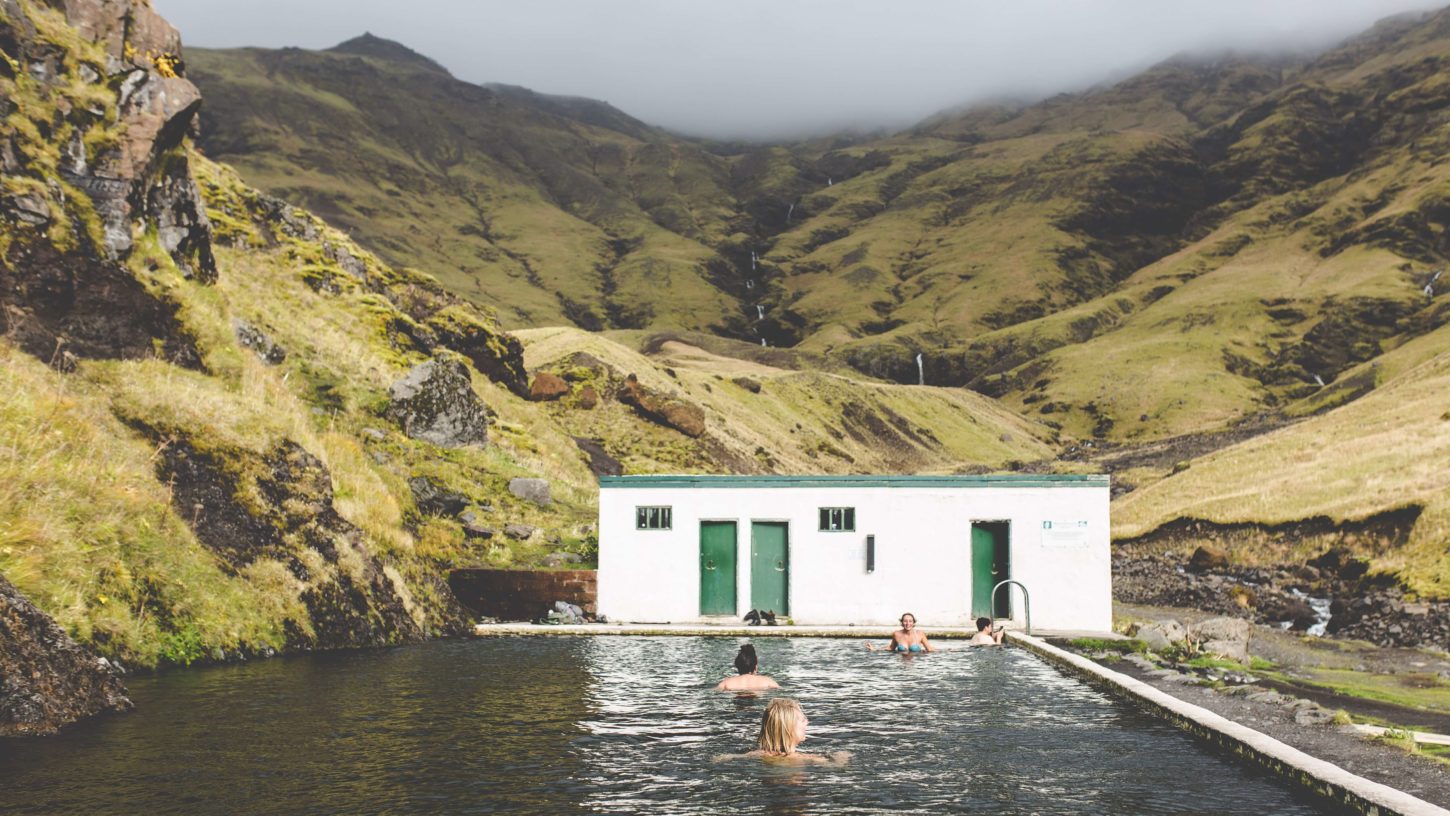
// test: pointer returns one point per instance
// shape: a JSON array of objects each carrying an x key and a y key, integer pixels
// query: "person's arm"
[
  {"x": 926, "y": 644},
  {"x": 771, "y": 681},
  {"x": 997, "y": 637}
]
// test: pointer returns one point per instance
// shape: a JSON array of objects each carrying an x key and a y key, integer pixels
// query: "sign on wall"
[{"x": 1064, "y": 534}]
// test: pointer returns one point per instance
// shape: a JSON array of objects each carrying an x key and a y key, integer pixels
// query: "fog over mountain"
[{"x": 763, "y": 68}]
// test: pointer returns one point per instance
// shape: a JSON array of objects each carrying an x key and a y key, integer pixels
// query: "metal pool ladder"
[{"x": 1026, "y": 600}]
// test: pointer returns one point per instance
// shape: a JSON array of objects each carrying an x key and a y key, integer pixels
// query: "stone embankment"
[{"x": 1333, "y": 591}]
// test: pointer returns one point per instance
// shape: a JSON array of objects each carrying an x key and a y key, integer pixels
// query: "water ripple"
[{"x": 624, "y": 725}]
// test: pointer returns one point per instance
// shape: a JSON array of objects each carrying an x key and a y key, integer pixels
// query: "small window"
[
  {"x": 652, "y": 518},
  {"x": 838, "y": 519}
]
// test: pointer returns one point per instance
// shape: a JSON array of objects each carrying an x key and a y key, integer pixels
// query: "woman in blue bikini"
[{"x": 908, "y": 638}]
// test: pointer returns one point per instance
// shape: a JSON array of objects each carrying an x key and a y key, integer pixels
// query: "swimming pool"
[{"x": 624, "y": 725}]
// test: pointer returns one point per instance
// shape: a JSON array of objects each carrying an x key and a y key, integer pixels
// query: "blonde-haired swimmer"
[{"x": 782, "y": 728}]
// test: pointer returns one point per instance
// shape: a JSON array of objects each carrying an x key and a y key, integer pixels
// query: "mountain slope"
[
  {"x": 1224, "y": 233},
  {"x": 557, "y": 210}
]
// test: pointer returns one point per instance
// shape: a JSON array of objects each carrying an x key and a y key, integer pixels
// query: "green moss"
[{"x": 1125, "y": 646}]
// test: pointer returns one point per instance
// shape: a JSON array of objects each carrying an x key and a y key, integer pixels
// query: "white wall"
[{"x": 923, "y": 552}]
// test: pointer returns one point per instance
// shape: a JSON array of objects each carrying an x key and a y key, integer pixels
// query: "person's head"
[
  {"x": 746, "y": 661},
  {"x": 984, "y": 624},
  {"x": 783, "y": 727},
  {"x": 908, "y": 621}
]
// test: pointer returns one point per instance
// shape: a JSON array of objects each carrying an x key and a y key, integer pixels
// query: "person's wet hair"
[
  {"x": 983, "y": 623},
  {"x": 746, "y": 661},
  {"x": 778, "y": 726}
]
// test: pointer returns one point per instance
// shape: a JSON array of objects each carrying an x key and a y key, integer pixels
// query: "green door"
[
  {"x": 769, "y": 567},
  {"x": 989, "y": 567},
  {"x": 717, "y": 568}
]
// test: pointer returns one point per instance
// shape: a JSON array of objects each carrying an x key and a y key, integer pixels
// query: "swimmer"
[
  {"x": 985, "y": 636},
  {"x": 782, "y": 728},
  {"x": 747, "y": 679},
  {"x": 908, "y": 638}
]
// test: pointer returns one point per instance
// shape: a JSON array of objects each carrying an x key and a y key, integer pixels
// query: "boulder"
[
  {"x": 1161, "y": 634},
  {"x": 47, "y": 680},
  {"x": 533, "y": 490},
  {"x": 558, "y": 559},
  {"x": 687, "y": 418},
  {"x": 1207, "y": 558},
  {"x": 1289, "y": 608},
  {"x": 547, "y": 387},
  {"x": 519, "y": 532},
  {"x": 496, "y": 354},
  {"x": 588, "y": 398},
  {"x": 472, "y": 529},
  {"x": 753, "y": 386},
  {"x": 1236, "y": 650},
  {"x": 1223, "y": 629},
  {"x": 435, "y": 499},
  {"x": 251, "y": 337},
  {"x": 435, "y": 402},
  {"x": 600, "y": 462}
]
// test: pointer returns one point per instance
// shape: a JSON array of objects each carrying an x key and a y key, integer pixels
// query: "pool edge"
[{"x": 1320, "y": 777}]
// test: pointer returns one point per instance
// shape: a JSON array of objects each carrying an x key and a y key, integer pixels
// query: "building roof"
[{"x": 993, "y": 480}]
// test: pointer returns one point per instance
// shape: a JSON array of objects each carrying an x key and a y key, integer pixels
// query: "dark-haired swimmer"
[
  {"x": 985, "y": 636},
  {"x": 908, "y": 638},
  {"x": 747, "y": 680}
]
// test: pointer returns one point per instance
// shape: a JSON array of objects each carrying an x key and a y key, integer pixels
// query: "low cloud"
[{"x": 784, "y": 68}]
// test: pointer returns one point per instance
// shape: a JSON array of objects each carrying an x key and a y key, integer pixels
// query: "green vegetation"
[
  {"x": 1410, "y": 690},
  {"x": 1087, "y": 266},
  {"x": 1125, "y": 646}
]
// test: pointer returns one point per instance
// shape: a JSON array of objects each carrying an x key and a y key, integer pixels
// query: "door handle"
[
  {"x": 780, "y": 566},
  {"x": 709, "y": 565}
]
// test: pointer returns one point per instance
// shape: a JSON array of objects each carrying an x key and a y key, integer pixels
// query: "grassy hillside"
[
  {"x": 1223, "y": 234},
  {"x": 197, "y": 457},
  {"x": 1383, "y": 453},
  {"x": 203, "y": 462},
  {"x": 557, "y": 210},
  {"x": 764, "y": 419}
]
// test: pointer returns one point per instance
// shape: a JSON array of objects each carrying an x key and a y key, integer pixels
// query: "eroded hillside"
[
  {"x": 227, "y": 429},
  {"x": 1222, "y": 234}
]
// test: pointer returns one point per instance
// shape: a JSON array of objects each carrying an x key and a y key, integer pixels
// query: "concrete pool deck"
[
  {"x": 1327, "y": 780},
  {"x": 1323, "y": 778},
  {"x": 741, "y": 630}
]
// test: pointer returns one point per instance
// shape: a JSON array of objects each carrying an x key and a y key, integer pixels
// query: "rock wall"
[
  {"x": 524, "y": 595},
  {"x": 47, "y": 681},
  {"x": 92, "y": 155}
]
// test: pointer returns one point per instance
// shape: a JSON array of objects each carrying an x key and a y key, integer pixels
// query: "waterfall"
[
  {"x": 788, "y": 211},
  {"x": 752, "y": 260},
  {"x": 762, "y": 341},
  {"x": 828, "y": 182},
  {"x": 750, "y": 284},
  {"x": 760, "y": 312},
  {"x": 920, "y": 372}
]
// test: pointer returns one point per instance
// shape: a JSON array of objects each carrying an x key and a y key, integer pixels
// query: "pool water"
[{"x": 625, "y": 725}]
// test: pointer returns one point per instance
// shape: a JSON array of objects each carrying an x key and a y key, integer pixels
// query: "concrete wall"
[
  {"x": 523, "y": 595},
  {"x": 923, "y": 552}
]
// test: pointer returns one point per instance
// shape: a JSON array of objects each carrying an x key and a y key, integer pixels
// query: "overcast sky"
[{"x": 776, "y": 68}]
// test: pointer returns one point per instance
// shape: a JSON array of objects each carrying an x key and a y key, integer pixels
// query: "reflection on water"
[{"x": 622, "y": 725}]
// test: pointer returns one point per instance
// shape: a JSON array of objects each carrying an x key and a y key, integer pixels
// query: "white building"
[{"x": 856, "y": 549}]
